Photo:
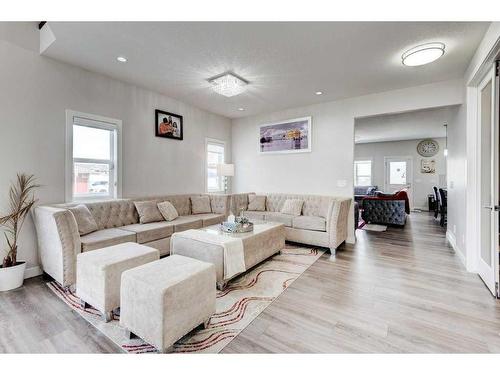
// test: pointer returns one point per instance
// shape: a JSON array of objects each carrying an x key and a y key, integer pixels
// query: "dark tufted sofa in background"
[
  {"x": 386, "y": 208},
  {"x": 361, "y": 192}
]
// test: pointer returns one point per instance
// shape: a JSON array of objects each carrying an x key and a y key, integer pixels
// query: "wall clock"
[{"x": 428, "y": 147}]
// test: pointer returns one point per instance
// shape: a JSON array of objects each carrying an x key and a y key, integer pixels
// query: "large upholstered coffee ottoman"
[
  {"x": 232, "y": 254},
  {"x": 99, "y": 272},
  {"x": 164, "y": 300}
]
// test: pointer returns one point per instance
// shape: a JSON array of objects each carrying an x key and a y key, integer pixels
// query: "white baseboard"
[
  {"x": 32, "y": 272},
  {"x": 453, "y": 242}
]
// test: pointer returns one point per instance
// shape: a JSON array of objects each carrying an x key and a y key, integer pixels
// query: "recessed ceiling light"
[
  {"x": 241, "y": 109},
  {"x": 319, "y": 92},
  {"x": 228, "y": 84},
  {"x": 122, "y": 59},
  {"x": 423, "y": 54}
]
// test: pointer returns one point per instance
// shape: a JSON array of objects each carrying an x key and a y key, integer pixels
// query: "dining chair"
[
  {"x": 443, "y": 207},
  {"x": 436, "y": 198}
]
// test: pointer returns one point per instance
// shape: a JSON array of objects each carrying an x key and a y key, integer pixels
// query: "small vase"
[{"x": 12, "y": 277}]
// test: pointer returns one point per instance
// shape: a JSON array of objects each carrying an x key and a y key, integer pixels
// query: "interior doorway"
[
  {"x": 400, "y": 160},
  {"x": 488, "y": 122}
]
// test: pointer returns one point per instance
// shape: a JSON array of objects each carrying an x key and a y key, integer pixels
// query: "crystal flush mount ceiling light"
[
  {"x": 423, "y": 54},
  {"x": 228, "y": 84}
]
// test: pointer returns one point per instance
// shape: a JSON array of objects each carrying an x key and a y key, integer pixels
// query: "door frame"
[
  {"x": 386, "y": 183},
  {"x": 469, "y": 241},
  {"x": 491, "y": 274}
]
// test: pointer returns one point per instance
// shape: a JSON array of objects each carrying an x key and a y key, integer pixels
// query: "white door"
[
  {"x": 488, "y": 171},
  {"x": 399, "y": 175}
]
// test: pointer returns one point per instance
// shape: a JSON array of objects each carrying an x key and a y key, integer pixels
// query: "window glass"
[
  {"x": 91, "y": 143},
  {"x": 93, "y": 159},
  {"x": 362, "y": 172},
  {"x": 215, "y": 156},
  {"x": 91, "y": 179},
  {"x": 397, "y": 173}
]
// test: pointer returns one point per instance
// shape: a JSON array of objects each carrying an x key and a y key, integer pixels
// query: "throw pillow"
[
  {"x": 167, "y": 210},
  {"x": 292, "y": 207},
  {"x": 148, "y": 212},
  {"x": 200, "y": 205},
  {"x": 257, "y": 203},
  {"x": 84, "y": 219}
]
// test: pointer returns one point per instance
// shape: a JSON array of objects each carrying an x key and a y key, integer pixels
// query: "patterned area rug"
[{"x": 237, "y": 306}]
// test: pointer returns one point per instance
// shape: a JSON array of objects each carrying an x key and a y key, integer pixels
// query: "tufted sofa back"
[
  {"x": 120, "y": 212},
  {"x": 115, "y": 213},
  {"x": 239, "y": 202},
  {"x": 110, "y": 213},
  {"x": 314, "y": 205},
  {"x": 181, "y": 202}
]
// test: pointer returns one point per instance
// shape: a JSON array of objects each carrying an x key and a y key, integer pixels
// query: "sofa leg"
[
  {"x": 69, "y": 289},
  {"x": 170, "y": 349},
  {"x": 108, "y": 316},
  {"x": 221, "y": 285},
  {"x": 205, "y": 324},
  {"x": 83, "y": 304},
  {"x": 130, "y": 335},
  {"x": 333, "y": 251}
]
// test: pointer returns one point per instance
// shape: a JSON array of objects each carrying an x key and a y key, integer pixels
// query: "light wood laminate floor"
[{"x": 403, "y": 290}]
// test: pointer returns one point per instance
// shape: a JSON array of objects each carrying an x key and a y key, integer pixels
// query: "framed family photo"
[
  {"x": 168, "y": 125},
  {"x": 289, "y": 136}
]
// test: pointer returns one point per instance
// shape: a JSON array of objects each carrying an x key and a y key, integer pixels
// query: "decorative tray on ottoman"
[{"x": 241, "y": 225}]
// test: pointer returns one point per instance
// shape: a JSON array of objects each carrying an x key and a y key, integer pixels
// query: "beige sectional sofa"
[
  {"x": 322, "y": 222},
  {"x": 59, "y": 240}
]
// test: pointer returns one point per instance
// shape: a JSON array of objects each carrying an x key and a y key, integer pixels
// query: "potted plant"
[{"x": 21, "y": 200}]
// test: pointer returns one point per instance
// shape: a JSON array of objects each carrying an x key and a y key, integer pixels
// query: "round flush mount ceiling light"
[
  {"x": 423, "y": 54},
  {"x": 319, "y": 92},
  {"x": 241, "y": 109},
  {"x": 122, "y": 59}
]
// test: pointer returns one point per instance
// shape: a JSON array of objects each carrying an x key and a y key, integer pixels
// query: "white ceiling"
[
  {"x": 428, "y": 123},
  {"x": 286, "y": 63}
]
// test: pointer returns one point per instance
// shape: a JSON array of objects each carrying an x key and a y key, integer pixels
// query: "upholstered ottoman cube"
[
  {"x": 98, "y": 273},
  {"x": 164, "y": 300}
]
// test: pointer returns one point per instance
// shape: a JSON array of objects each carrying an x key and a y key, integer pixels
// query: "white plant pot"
[{"x": 12, "y": 277}]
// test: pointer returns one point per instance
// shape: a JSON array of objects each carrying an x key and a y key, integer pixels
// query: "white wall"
[
  {"x": 427, "y": 123},
  {"x": 330, "y": 164},
  {"x": 35, "y": 91},
  {"x": 457, "y": 181},
  {"x": 422, "y": 182}
]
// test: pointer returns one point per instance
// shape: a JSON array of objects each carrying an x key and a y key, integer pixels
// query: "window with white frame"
[
  {"x": 215, "y": 155},
  {"x": 362, "y": 172},
  {"x": 93, "y": 149}
]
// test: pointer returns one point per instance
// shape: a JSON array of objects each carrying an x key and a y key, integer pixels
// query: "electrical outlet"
[
  {"x": 341, "y": 183},
  {"x": 454, "y": 229},
  {"x": 463, "y": 239}
]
